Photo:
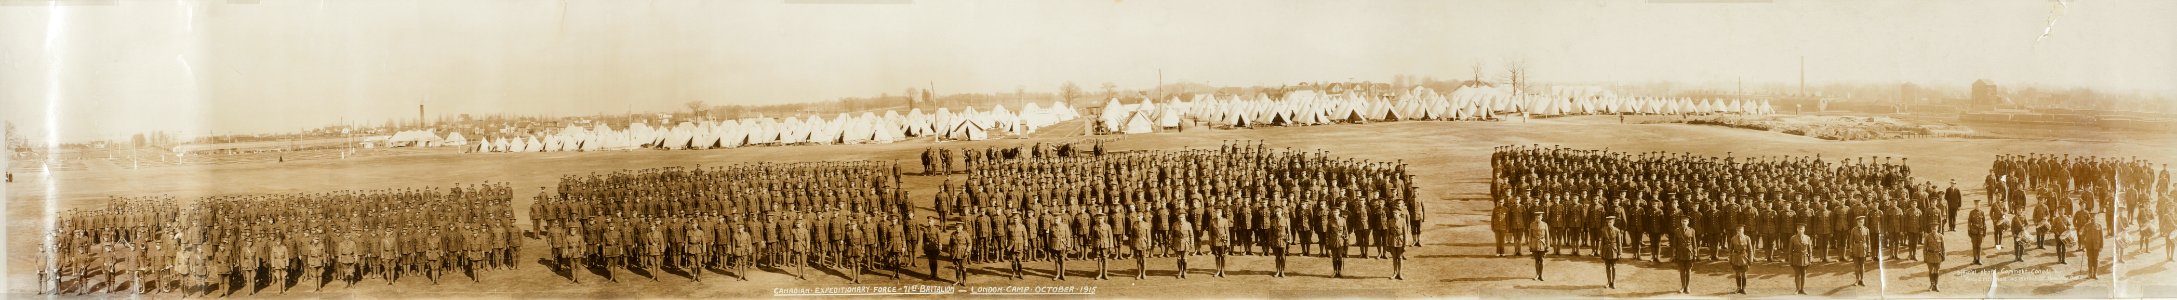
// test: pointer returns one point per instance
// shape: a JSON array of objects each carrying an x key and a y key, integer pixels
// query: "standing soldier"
[
  {"x": 1061, "y": 243},
  {"x": 1799, "y": 252},
  {"x": 1104, "y": 242},
  {"x": 1220, "y": 237},
  {"x": 932, "y": 239},
  {"x": 124, "y": 262},
  {"x": 434, "y": 248},
  {"x": 1538, "y": 242},
  {"x": 2062, "y": 227},
  {"x": 573, "y": 250},
  {"x": 388, "y": 253},
  {"x": 654, "y": 248},
  {"x": 963, "y": 243},
  {"x": 1976, "y": 227},
  {"x": 348, "y": 258},
  {"x": 854, "y": 245},
  {"x": 699, "y": 242},
  {"x": 1141, "y": 238},
  {"x": 1499, "y": 214},
  {"x": 1335, "y": 241},
  {"x": 2018, "y": 234},
  {"x": 1858, "y": 249},
  {"x": 895, "y": 231},
  {"x": 1183, "y": 233},
  {"x": 2093, "y": 242},
  {"x": 314, "y": 257},
  {"x": 1740, "y": 250},
  {"x": 278, "y": 262},
  {"x": 157, "y": 264},
  {"x": 1610, "y": 247},
  {"x": 184, "y": 269},
  {"x": 1682, "y": 244},
  {"x": 611, "y": 245},
  {"x": 745, "y": 246},
  {"x": 1395, "y": 229},
  {"x": 1282, "y": 236},
  {"x": 1016, "y": 234},
  {"x": 475, "y": 242},
  {"x": 1934, "y": 257}
]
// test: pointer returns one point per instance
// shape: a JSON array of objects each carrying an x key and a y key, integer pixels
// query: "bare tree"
[
  {"x": 1111, "y": 90},
  {"x": 1515, "y": 74},
  {"x": 911, "y": 97},
  {"x": 1477, "y": 67},
  {"x": 695, "y": 108},
  {"x": 1069, "y": 91}
]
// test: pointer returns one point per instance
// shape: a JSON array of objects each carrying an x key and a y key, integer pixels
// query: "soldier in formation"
[
  {"x": 1687, "y": 208},
  {"x": 269, "y": 239},
  {"x": 845, "y": 216},
  {"x": 2084, "y": 201},
  {"x": 1165, "y": 205}
]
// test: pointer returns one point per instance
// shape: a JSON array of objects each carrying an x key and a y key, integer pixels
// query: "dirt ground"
[{"x": 1450, "y": 159}]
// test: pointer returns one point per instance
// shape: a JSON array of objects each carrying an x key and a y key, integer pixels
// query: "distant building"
[{"x": 1986, "y": 95}]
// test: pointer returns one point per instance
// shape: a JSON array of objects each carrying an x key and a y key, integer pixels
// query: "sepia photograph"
[{"x": 1193, "y": 149}]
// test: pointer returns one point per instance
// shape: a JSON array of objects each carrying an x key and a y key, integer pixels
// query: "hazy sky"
[{"x": 214, "y": 66}]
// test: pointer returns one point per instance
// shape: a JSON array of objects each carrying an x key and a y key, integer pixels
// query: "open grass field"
[{"x": 1449, "y": 159}]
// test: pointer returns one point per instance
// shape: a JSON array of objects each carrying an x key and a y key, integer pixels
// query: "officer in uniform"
[
  {"x": 932, "y": 239},
  {"x": 1104, "y": 242},
  {"x": 745, "y": 246},
  {"x": 1976, "y": 228},
  {"x": 1682, "y": 244},
  {"x": 1934, "y": 257},
  {"x": 653, "y": 249},
  {"x": 1539, "y": 241},
  {"x": 1858, "y": 248},
  {"x": 278, "y": 261},
  {"x": 613, "y": 247},
  {"x": 1016, "y": 233},
  {"x": 388, "y": 253},
  {"x": 1799, "y": 252},
  {"x": 476, "y": 242},
  {"x": 1610, "y": 247},
  {"x": 349, "y": 255},
  {"x": 434, "y": 249},
  {"x": 1281, "y": 237},
  {"x": 963, "y": 244},
  {"x": 571, "y": 253},
  {"x": 1335, "y": 241},
  {"x": 1141, "y": 246},
  {"x": 1220, "y": 238},
  {"x": 1061, "y": 242},
  {"x": 1741, "y": 252},
  {"x": 313, "y": 255},
  {"x": 855, "y": 245},
  {"x": 1183, "y": 234},
  {"x": 1499, "y": 214},
  {"x": 1395, "y": 229},
  {"x": 2093, "y": 241},
  {"x": 698, "y": 243},
  {"x": 124, "y": 262}
]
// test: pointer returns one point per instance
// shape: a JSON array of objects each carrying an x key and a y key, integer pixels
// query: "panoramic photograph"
[{"x": 857, "y": 149}]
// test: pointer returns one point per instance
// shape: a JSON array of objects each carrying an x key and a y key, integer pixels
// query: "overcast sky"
[{"x": 85, "y": 71}]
